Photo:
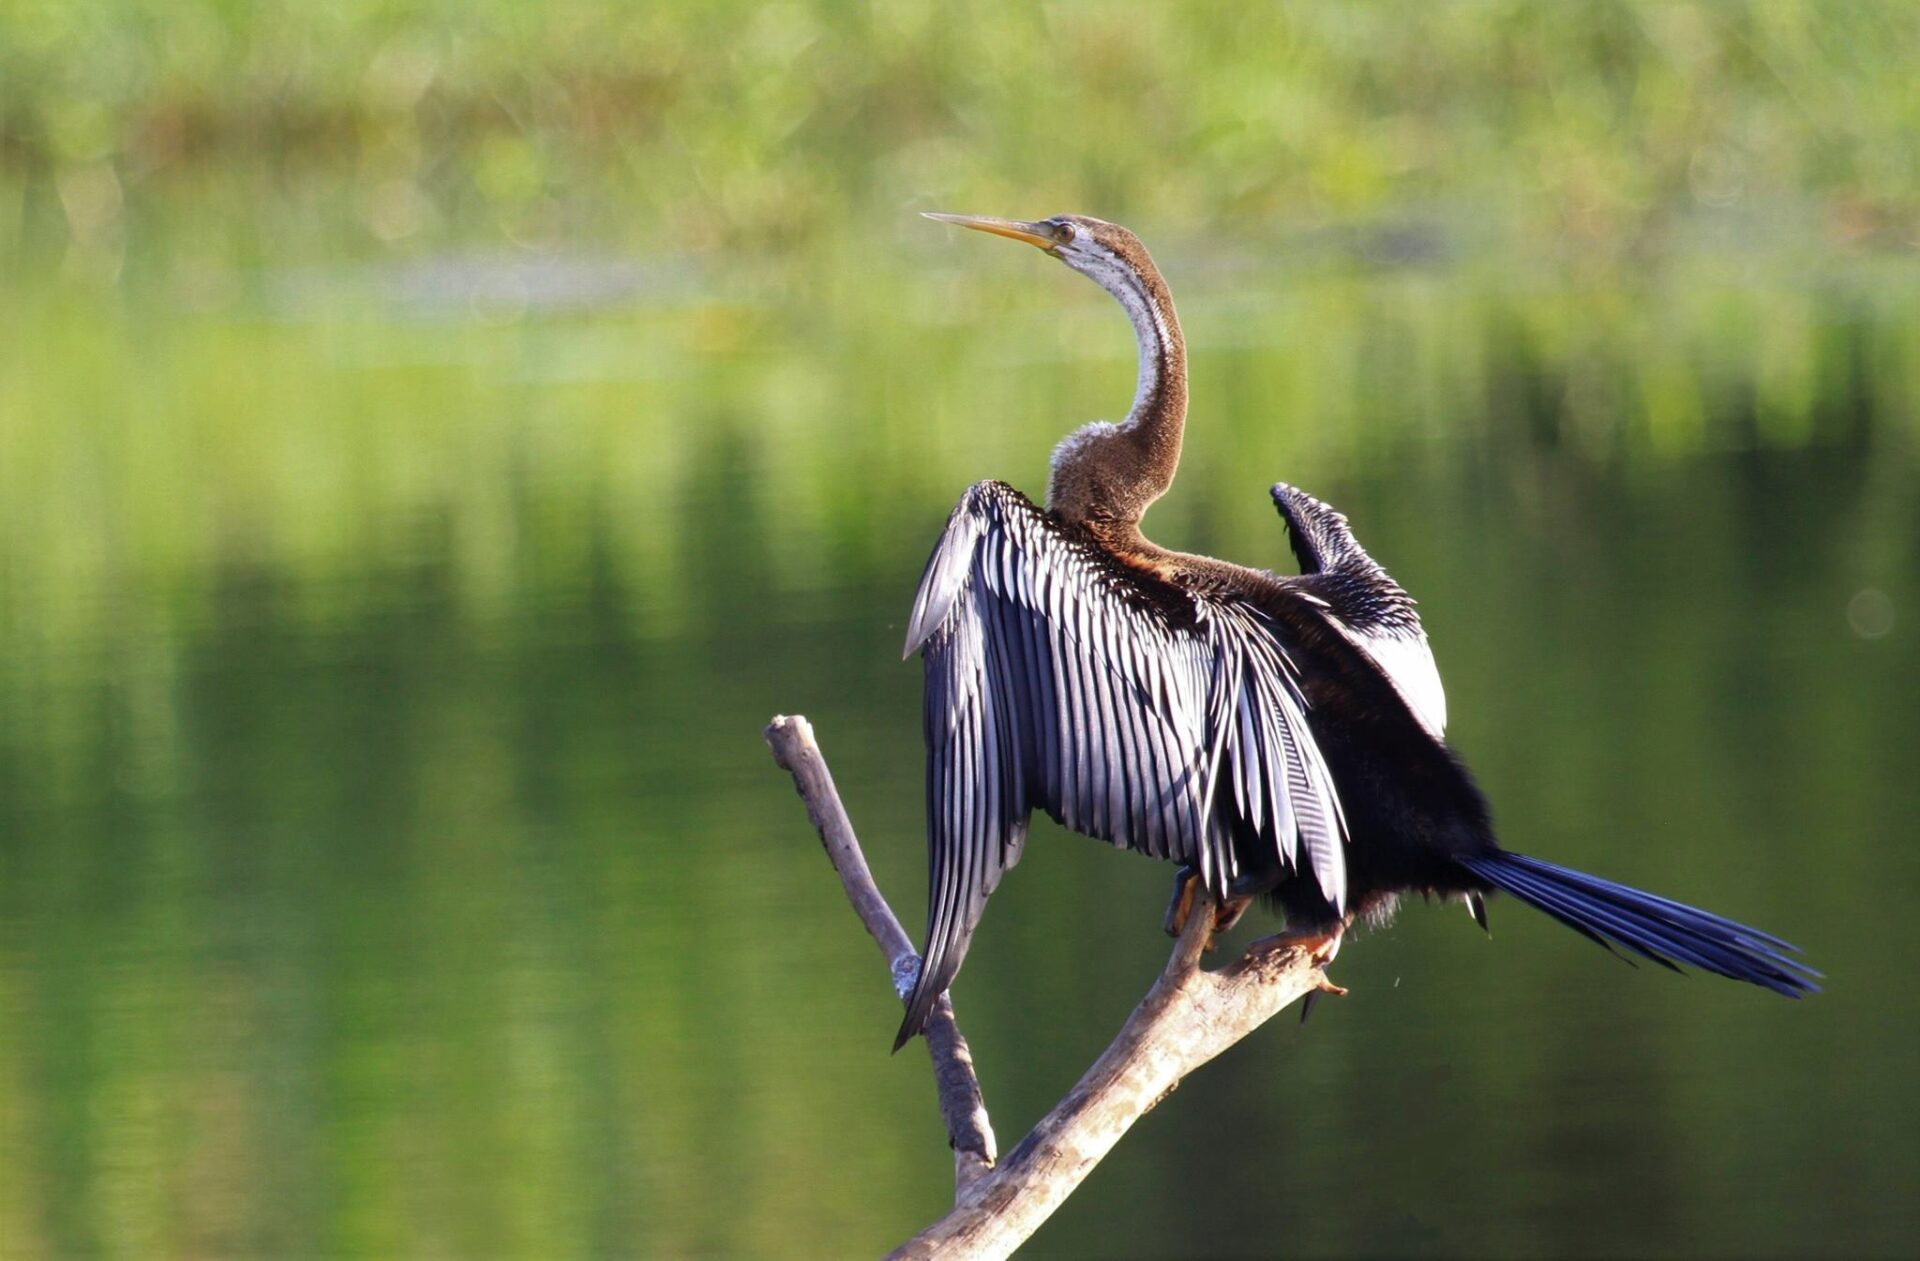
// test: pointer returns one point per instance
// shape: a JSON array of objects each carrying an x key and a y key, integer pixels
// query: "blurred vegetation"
[
  {"x": 528, "y": 287},
  {"x": 433, "y": 437},
  {"x": 1582, "y": 125}
]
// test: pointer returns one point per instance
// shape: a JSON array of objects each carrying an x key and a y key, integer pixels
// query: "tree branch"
[
  {"x": 969, "y": 1130},
  {"x": 1187, "y": 1018}
]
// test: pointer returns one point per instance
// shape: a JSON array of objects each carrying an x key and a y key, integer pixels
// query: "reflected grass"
[
  {"x": 823, "y": 402},
  {"x": 435, "y": 442},
  {"x": 393, "y": 865}
]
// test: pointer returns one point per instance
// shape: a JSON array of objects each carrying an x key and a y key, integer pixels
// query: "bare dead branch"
[
  {"x": 1188, "y": 1017},
  {"x": 969, "y": 1129}
]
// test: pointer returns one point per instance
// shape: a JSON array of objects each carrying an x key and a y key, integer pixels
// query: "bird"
[{"x": 1279, "y": 737}]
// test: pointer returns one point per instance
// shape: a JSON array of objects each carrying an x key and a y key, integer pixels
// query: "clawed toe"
[
  {"x": 1320, "y": 947},
  {"x": 1229, "y": 912}
]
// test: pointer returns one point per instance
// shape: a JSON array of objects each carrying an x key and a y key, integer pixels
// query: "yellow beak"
[{"x": 1036, "y": 234}]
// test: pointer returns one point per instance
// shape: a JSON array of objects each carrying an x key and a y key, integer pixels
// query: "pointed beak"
[{"x": 1036, "y": 234}]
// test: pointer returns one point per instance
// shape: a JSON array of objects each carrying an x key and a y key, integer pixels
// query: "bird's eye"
[{"x": 1062, "y": 231}]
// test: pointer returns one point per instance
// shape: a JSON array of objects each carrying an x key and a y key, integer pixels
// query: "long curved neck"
[
  {"x": 1158, "y": 418},
  {"x": 1107, "y": 475}
]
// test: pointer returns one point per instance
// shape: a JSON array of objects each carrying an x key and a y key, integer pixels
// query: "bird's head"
[
  {"x": 1104, "y": 472},
  {"x": 1106, "y": 252}
]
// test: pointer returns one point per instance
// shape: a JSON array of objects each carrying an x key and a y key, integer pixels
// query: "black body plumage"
[{"x": 1280, "y": 736}]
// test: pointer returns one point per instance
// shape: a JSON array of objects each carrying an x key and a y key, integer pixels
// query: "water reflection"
[{"x": 391, "y": 864}]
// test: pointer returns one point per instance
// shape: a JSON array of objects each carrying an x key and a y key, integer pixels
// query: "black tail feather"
[{"x": 1669, "y": 933}]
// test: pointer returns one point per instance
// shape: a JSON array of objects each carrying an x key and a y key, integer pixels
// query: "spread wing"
[
  {"x": 1366, "y": 605},
  {"x": 1127, "y": 708}
]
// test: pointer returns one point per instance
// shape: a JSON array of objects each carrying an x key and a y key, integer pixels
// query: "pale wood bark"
[
  {"x": 968, "y": 1128},
  {"x": 1188, "y": 1016}
]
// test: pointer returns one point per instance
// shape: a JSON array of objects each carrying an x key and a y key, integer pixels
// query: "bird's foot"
[
  {"x": 1320, "y": 946},
  {"x": 1186, "y": 884},
  {"x": 1187, "y": 887},
  {"x": 1312, "y": 999},
  {"x": 1228, "y": 913}
]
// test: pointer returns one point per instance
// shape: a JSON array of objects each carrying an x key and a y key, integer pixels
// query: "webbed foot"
[
  {"x": 1186, "y": 888},
  {"x": 1321, "y": 945}
]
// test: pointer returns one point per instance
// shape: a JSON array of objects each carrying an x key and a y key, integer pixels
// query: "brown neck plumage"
[{"x": 1105, "y": 476}]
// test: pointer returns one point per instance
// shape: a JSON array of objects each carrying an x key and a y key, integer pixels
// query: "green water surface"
[{"x": 431, "y": 449}]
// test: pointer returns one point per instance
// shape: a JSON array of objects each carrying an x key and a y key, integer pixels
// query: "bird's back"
[{"x": 1409, "y": 802}]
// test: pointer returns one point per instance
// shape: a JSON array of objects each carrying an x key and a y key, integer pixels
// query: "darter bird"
[{"x": 1278, "y": 737}]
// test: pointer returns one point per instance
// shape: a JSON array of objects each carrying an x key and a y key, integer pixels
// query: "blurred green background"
[{"x": 434, "y": 438}]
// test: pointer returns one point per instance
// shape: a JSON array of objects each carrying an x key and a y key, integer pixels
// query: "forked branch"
[
  {"x": 961, "y": 1106},
  {"x": 1187, "y": 1017}
]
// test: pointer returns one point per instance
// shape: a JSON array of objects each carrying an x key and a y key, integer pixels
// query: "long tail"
[{"x": 1665, "y": 931}]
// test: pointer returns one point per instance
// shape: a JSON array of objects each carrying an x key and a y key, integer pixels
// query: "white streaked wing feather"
[
  {"x": 1049, "y": 684},
  {"x": 1363, "y": 602},
  {"x": 1405, "y": 657}
]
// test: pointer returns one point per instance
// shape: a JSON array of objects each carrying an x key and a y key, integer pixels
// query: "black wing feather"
[
  {"x": 1055, "y": 679},
  {"x": 1363, "y": 603}
]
